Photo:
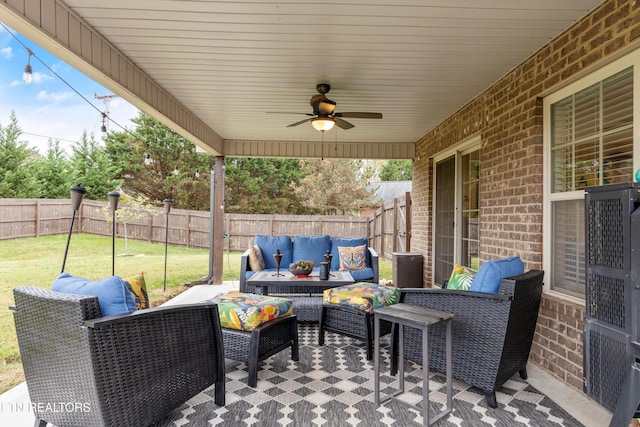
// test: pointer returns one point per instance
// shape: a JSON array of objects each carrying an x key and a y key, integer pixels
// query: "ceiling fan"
[{"x": 324, "y": 116}]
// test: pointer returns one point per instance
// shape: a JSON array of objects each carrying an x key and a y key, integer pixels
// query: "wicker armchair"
[
  {"x": 492, "y": 334},
  {"x": 127, "y": 370}
]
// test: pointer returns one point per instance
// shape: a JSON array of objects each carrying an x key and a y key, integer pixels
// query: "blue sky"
[{"x": 48, "y": 107}]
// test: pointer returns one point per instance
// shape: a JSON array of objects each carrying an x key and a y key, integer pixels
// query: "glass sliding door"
[
  {"x": 444, "y": 213},
  {"x": 470, "y": 234},
  {"x": 456, "y": 213}
]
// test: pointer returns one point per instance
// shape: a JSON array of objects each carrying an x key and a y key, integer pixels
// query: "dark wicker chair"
[
  {"x": 352, "y": 323},
  {"x": 125, "y": 370},
  {"x": 492, "y": 334}
]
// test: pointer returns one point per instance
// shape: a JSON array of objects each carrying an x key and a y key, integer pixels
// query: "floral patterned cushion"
[
  {"x": 461, "y": 278},
  {"x": 361, "y": 296},
  {"x": 245, "y": 312}
]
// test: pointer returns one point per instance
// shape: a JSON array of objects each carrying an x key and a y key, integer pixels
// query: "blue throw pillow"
[
  {"x": 114, "y": 294},
  {"x": 341, "y": 241},
  {"x": 490, "y": 274},
  {"x": 268, "y": 246},
  {"x": 311, "y": 248}
]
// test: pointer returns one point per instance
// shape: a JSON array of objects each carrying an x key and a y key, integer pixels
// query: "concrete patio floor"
[{"x": 15, "y": 411}]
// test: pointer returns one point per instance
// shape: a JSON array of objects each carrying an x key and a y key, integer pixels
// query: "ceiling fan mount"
[
  {"x": 323, "y": 88},
  {"x": 324, "y": 116}
]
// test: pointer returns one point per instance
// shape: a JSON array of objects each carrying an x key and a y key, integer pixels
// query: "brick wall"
[
  {"x": 558, "y": 339},
  {"x": 508, "y": 118}
]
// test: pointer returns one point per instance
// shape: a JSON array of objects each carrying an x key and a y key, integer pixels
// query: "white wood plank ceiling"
[{"x": 414, "y": 61}]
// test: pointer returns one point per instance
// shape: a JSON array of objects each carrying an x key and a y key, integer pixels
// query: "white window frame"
[{"x": 632, "y": 59}]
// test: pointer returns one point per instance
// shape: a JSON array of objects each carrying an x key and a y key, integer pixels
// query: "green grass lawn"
[{"x": 37, "y": 262}]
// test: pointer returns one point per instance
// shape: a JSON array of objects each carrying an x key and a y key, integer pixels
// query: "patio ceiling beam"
[
  {"x": 56, "y": 28},
  {"x": 329, "y": 149}
]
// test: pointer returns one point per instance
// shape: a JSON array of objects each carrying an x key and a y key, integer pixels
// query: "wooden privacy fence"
[{"x": 388, "y": 229}]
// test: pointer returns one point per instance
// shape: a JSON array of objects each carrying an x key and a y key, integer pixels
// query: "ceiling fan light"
[
  {"x": 326, "y": 106},
  {"x": 323, "y": 124}
]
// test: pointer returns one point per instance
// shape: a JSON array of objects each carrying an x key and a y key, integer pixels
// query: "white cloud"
[
  {"x": 39, "y": 77},
  {"x": 7, "y": 52},
  {"x": 16, "y": 83},
  {"x": 54, "y": 96}
]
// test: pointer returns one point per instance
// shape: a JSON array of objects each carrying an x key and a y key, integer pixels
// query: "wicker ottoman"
[
  {"x": 348, "y": 310},
  {"x": 255, "y": 327}
]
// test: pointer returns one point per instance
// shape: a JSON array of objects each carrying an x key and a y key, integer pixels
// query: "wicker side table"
[
  {"x": 421, "y": 318},
  {"x": 264, "y": 341}
]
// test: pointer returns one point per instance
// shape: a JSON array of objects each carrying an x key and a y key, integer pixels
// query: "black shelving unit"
[{"x": 612, "y": 322}]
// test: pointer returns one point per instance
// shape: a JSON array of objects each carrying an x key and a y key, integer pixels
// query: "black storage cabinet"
[
  {"x": 407, "y": 270},
  {"x": 612, "y": 322}
]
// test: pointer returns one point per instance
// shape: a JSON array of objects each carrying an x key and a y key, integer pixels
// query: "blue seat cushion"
[
  {"x": 490, "y": 274},
  {"x": 363, "y": 275},
  {"x": 268, "y": 246},
  {"x": 311, "y": 248},
  {"x": 341, "y": 241},
  {"x": 115, "y": 296}
]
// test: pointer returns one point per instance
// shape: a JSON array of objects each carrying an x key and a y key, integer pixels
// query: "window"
[
  {"x": 589, "y": 142},
  {"x": 470, "y": 235}
]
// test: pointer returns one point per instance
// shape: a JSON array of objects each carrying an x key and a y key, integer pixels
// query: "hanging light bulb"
[
  {"x": 27, "y": 77},
  {"x": 103, "y": 128}
]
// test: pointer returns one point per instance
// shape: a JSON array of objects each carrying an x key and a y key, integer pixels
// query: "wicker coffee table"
[{"x": 305, "y": 292}]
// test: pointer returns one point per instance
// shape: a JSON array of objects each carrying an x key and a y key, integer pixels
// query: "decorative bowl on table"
[{"x": 301, "y": 267}]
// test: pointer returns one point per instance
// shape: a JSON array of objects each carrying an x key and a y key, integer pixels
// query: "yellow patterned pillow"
[
  {"x": 139, "y": 287},
  {"x": 256, "y": 260},
  {"x": 352, "y": 257}
]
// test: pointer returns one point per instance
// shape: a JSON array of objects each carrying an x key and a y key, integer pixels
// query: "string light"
[
  {"x": 27, "y": 77},
  {"x": 103, "y": 128}
]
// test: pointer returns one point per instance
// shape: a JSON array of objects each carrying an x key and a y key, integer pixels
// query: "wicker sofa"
[
  {"x": 492, "y": 334},
  {"x": 307, "y": 306},
  {"x": 311, "y": 248},
  {"x": 129, "y": 369}
]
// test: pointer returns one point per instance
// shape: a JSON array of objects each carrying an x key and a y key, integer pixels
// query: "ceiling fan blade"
[
  {"x": 287, "y": 112},
  {"x": 360, "y": 115},
  {"x": 299, "y": 123},
  {"x": 343, "y": 124}
]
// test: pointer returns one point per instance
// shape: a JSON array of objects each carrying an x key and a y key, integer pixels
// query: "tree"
[
  {"x": 52, "y": 172},
  {"x": 337, "y": 187},
  {"x": 157, "y": 163},
  {"x": 129, "y": 210},
  {"x": 397, "y": 170},
  {"x": 92, "y": 167},
  {"x": 263, "y": 186},
  {"x": 17, "y": 174}
]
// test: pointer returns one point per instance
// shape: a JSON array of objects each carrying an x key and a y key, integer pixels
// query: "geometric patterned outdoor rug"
[{"x": 332, "y": 385}]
